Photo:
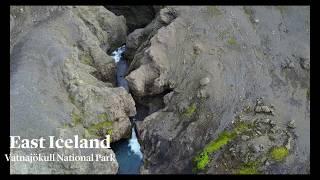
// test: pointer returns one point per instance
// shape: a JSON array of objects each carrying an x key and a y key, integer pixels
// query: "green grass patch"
[
  {"x": 232, "y": 41},
  {"x": 190, "y": 110},
  {"x": 279, "y": 153}
]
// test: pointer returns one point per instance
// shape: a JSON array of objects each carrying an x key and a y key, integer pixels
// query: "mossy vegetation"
[
  {"x": 214, "y": 11},
  {"x": 85, "y": 58},
  {"x": 76, "y": 118},
  {"x": 279, "y": 153},
  {"x": 103, "y": 117},
  {"x": 72, "y": 99},
  {"x": 232, "y": 41},
  {"x": 109, "y": 131},
  {"x": 249, "y": 168},
  {"x": 203, "y": 159},
  {"x": 190, "y": 110},
  {"x": 223, "y": 139},
  {"x": 102, "y": 128},
  {"x": 241, "y": 127}
]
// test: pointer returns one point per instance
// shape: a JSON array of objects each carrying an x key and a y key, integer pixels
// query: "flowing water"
[{"x": 127, "y": 151}]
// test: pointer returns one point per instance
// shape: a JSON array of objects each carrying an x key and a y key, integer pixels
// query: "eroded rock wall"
[{"x": 62, "y": 82}]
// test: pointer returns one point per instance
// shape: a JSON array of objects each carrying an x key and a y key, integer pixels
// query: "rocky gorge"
[{"x": 208, "y": 89}]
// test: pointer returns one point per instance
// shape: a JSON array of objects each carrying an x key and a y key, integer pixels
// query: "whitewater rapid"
[{"x": 134, "y": 144}]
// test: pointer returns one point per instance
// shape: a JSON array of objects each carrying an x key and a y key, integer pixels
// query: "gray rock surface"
[{"x": 241, "y": 50}]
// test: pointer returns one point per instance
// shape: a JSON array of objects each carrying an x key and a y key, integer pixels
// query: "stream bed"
[{"x": 127, "y": 151}]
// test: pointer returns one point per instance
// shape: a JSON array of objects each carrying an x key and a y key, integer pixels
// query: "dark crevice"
[{"x": 136, "y": 16}]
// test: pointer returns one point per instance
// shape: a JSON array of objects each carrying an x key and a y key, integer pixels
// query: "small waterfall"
[
  {"x": 134, "y": 144},
  {"x": 117, "y": 54}
]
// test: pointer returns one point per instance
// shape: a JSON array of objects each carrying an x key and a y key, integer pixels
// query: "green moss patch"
[
  {"x": 71, "y": 99},
  {"x": 85, "y": 58},
  {"x": 103, "y": 117},
  {"x": 101, "y": 129},
  {"x": 190, "y": 110},
  {"x": 100, "y": 126},
  {"x": 203, "y": 159},
  {"x": 232, "y": 41},
  {"x": 223, "y": 139},
  {"x": 241, "y": 127},
  {"x": 76, "y": 118},
  {"x": 279, "y": 153},
  {"x": 249, "y": 168}
]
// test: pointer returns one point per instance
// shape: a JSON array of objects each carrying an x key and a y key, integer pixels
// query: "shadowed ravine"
[{"x": 127, "y": 151}]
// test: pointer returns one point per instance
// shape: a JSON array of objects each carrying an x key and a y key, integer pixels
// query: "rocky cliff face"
[
  {"x": 62, "y": 82},
  {"x": 238, "y": 76}
]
